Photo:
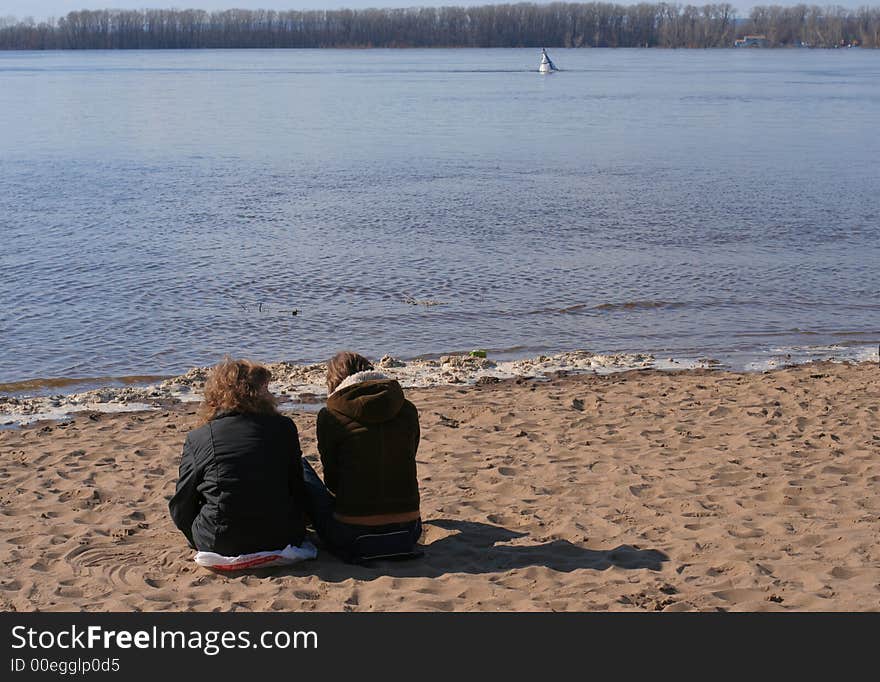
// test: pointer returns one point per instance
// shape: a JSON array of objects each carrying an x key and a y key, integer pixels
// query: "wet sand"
[{"x": 643, "y": 490}]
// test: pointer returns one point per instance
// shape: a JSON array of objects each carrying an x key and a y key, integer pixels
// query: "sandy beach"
[{"x": 642, "y": 490}]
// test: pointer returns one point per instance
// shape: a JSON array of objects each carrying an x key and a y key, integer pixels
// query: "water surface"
[{"x": 161, "y": 208}]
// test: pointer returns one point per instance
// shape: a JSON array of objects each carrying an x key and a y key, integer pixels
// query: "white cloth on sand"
[{"x": 281, "y": 557}]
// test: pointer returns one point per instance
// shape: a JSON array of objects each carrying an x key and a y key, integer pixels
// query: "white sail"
[{"x": 547, "y": 65}]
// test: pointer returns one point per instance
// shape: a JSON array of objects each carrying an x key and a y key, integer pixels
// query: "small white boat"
[{"x": 547, "y": 65}]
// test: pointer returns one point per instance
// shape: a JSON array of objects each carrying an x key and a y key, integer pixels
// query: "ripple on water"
[{"x": 345, "y": 199}]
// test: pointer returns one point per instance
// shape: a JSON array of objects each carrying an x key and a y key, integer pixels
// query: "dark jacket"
[
  {"x": 241, "y": 485},
  {"x": 368, "y": 436}
]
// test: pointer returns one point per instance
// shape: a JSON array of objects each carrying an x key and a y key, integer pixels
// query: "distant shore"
[
  {"x": 514, "y": 25},
  {"x": 643, "y": 490}
]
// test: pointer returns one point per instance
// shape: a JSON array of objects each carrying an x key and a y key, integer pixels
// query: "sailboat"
[{"x": 546, "y": 66}]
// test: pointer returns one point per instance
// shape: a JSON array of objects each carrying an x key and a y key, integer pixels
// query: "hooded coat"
[{"x": 368, "y": 436}]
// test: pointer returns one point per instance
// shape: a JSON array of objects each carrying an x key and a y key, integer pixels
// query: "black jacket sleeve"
[
  {"x": 327, "y": 442},
  {"x": 184, "y": 505},
  {"x": 295, "y": 481}
]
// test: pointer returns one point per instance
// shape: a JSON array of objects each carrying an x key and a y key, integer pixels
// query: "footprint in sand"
[
  {"x": 740, "y": 595},
  {"x": 843, "y": 573},
  {"x": 746, "y": 533},
  {"x": 120, "y": 566},
  {"x": 284, "y": 605}
]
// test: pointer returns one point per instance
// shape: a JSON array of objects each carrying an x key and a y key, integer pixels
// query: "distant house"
[{"x": 751, "y": 41}]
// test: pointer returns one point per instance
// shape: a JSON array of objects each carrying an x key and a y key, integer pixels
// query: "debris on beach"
[
  {"x": 388, "y": 362},
  {"x": 299, "y": 384},
  {"x": 462, "y": 369},
  {"x": 581, "y": 360},
  {"x": 448, "y": 421},
  {"x": 466, "y": 362},
  {"x": 296, "y": 383}
]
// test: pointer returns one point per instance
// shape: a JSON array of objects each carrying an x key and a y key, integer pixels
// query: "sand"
[{"x": 639, "y": 491}]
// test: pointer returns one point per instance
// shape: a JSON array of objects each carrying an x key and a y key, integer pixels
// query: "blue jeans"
[{"x": 350, "y": 542}]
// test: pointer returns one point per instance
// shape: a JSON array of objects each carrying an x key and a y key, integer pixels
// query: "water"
[{"x": 160, "y": 209}]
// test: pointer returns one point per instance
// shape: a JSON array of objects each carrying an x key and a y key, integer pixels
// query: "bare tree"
[{"x": 558, "y": 24}]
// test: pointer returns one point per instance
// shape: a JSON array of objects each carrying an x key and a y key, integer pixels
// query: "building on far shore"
[{"x": 751, "y": 41}]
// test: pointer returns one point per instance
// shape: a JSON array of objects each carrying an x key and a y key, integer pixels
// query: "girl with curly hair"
[{"x": 241, "y": 479}]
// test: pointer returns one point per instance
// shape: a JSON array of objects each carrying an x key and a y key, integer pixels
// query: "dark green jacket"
[{"x": 368, "y": 436}]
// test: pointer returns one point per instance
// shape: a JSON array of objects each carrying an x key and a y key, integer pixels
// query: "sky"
[{"x": 42, "y": 9}]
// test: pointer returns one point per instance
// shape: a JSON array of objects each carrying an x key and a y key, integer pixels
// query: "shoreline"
[
  {"x": 698, "y": 490},
  {"x": 303, "y": 384}
]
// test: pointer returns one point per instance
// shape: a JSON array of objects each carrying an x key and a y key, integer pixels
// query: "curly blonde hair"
[
  {"x": 237, "y": 386},
  {"x": 344, "y": 364}
]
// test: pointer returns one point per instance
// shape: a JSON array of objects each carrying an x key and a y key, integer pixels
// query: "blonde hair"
[
  {"x": 237, "y": 386},
  {"x": 344, "y": 364}
]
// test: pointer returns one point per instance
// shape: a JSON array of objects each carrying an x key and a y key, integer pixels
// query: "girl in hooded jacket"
[{"x": 367, "y": 507}]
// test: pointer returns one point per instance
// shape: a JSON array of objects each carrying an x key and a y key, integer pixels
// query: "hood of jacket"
[{"x": 368, "y": 400}]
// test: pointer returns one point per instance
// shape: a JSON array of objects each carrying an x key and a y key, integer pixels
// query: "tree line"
[{"x": 516, "y": 25}]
